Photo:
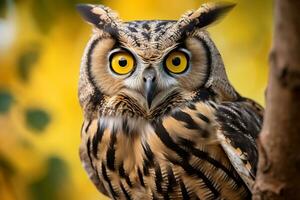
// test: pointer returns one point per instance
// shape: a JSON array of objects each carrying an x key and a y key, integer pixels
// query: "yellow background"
[{"x": 39, "y": 66}]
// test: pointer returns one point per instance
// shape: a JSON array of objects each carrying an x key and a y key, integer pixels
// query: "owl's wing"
[{"x": 240, "y": 123}]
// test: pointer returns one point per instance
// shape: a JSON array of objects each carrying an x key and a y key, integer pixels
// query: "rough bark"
[{"x": 279, "y": 143}]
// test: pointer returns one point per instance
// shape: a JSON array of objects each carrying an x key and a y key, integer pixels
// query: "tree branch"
[{"x": 279, "y": 143}]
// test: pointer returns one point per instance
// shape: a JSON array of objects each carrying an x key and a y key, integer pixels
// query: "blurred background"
[{"x": 41, "y": 43}]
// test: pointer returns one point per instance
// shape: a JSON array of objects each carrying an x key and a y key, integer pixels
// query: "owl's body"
[{"x": 161, "y": 119}]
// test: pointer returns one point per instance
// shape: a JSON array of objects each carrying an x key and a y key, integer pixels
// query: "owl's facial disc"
[{"x": 118, "y": 71}]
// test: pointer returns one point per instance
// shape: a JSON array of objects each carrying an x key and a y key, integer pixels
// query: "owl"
[{"x": 161, "y": 119}]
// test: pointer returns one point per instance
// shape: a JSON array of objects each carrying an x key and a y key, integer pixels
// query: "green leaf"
[
  {"x": 37, "y": 119},
  {"x": 44, "y": 14},
  {"x": 49, "y": 186},
  {"x": 26, "y": 61},
  {"x": 3, "y": 8},
  {"x": 6, "y": 100},
  {"x": 57, "y": 170}
]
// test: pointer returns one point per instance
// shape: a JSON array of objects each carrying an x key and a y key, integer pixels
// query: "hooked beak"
[
  {"x": 149, "y": 91},
  {"x": 149, "y": 85}
]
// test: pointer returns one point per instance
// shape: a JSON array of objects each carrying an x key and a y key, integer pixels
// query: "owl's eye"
[
  {"x": 176, "y": 62},
  {"x": 121, "y": 63}
]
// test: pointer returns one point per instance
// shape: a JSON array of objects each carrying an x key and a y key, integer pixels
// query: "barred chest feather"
[{"x": 176, "y": 157}]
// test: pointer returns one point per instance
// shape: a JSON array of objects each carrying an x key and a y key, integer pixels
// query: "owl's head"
[{"x": 147, "y": 68}]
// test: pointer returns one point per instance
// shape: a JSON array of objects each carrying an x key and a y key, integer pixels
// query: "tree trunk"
[{"x": 278, "y": 174}]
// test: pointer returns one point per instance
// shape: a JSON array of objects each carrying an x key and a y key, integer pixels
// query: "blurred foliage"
[
  {"x": 48, "y": 187},
  {"x": 37, "y": 119},
  {"x": 46, "y": 12},
  {"x": 6, "y": 166},
  {"x": 27, "y": 60},
  {"x": 39, "y": 67},
  {"x": 6, "y": 100}
]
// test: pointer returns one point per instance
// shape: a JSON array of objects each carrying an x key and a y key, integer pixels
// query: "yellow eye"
[
  {"x": 176, "y": 62},
  {"x": 122, "y": 63}
]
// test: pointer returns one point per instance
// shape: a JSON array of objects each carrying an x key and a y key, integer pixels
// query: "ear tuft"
[
  {"x": 103, "y": 18},
  {"x": 210, "y": 13},
  {"x": 86, "y": 11},
  {"x": 192, "y": 20}
]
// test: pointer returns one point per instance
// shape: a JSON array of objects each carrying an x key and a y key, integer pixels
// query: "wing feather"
[{"x": 240, "y": 123}]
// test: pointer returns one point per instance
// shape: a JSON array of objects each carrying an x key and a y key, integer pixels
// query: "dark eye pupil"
[
  {"x": 122, "y": 62},
  {"x": 176, "y": 61}
]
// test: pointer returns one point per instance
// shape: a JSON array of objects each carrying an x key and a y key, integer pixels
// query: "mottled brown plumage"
[{"x": 156, "y": 131}]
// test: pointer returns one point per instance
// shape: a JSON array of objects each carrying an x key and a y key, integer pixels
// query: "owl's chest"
[{"x": 165, "y": 159}]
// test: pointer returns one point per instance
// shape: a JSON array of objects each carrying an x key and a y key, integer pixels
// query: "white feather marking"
[{"x": 236, "y": 160}]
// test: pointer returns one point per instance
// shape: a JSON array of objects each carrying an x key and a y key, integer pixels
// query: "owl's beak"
[
  {"x": 149, "y": 91},
  {"x": 149, "y": 77}
]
